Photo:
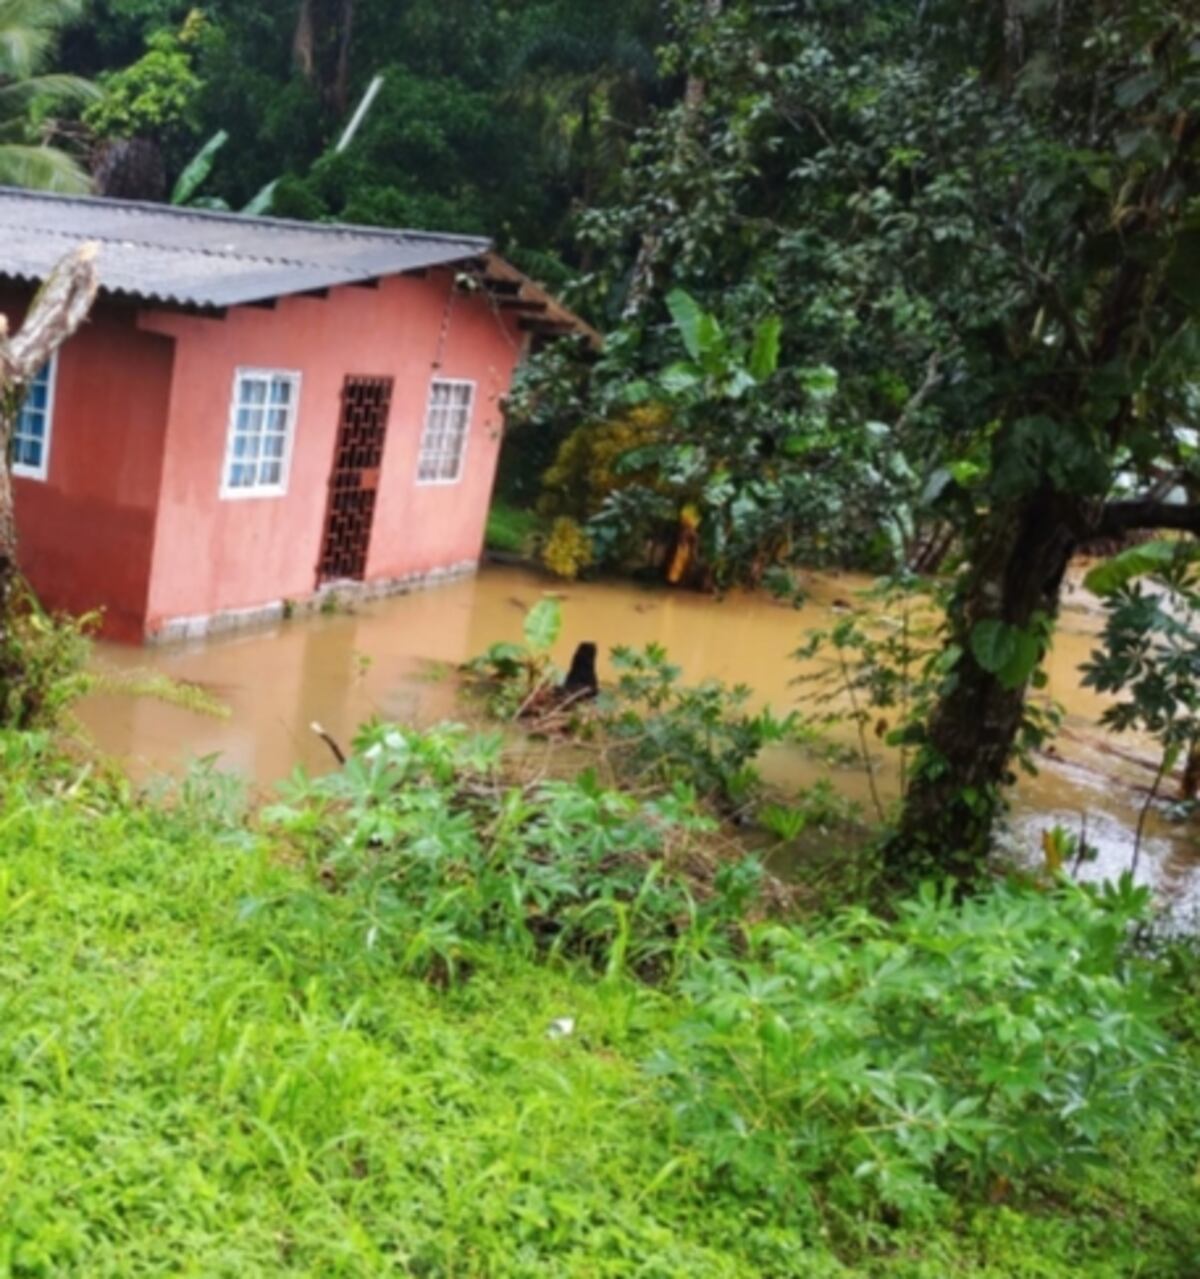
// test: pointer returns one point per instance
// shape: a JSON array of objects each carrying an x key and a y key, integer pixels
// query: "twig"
[
  {"x": 862, "y": 738},
  {"x": 1141, "y": 826},
  {"x": 338, "y": 753}
]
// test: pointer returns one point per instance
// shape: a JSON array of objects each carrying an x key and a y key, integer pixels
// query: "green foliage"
[
  {"x": 440, "y": 854},
  {"x": 1143, "y": 560},
  {"x": 510, "y": 529},
  {"x": 862, "y": 1064},
  {"x": 29, "y": 96},
  {"x": 714, "y": 455},
  {"x": 237, "y": 1094},
  {"x": 1150, "y": 652},
  {"x": 1011, "y": 653},
  {"x": 665, "y": 733},
  {"x": 43, "y": 661},
  {"x": 157, "y": 96},
  {"x": 568, "y": 549},
  {"x": 197, "y": 170},
  {"x": 511, "y": 675}
]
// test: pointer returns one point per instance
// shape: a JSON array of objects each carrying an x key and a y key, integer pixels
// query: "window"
[
  {"x": 261, "y": 422},
  {"x": 445, "y": 439},
  {"x": 31, "y": 434}
]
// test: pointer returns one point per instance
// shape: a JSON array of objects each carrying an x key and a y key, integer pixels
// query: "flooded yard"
[{"x": 395, "y": 659}]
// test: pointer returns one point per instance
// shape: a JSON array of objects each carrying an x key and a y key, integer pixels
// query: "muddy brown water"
[{"x": 395, "y": 659}]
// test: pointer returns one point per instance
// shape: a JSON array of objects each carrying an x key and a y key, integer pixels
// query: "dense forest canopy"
[{"x": 495, "y": 118}]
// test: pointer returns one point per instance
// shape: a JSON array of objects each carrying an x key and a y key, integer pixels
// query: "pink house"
[{"x": 258, "y": 411}]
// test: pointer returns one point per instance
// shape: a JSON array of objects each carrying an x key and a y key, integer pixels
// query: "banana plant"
[{"x": 196, "y": 172}]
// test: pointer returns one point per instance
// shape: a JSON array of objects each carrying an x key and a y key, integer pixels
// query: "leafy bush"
[
  {"x": 959, "y": 1048},
  {"x": 43, "y": 660},
  {"x": 442, "y": 854},
  {"x": 669, "y": 733},
  {"x": 592, "y": 462},
  {"x": 568, "y": 550},
  {"x": 158, "y": 95}
]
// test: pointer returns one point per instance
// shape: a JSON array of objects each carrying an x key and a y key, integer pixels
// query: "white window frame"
[
  {"x": 466, "y": 443},
  {"x": 23, "y": 469},
  {"x": 240, "y": 374}
]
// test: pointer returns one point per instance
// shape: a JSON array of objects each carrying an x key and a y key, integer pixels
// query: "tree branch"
[
  {"x": 60, "y": 307},
  {"x": 1123, "y": 517}
]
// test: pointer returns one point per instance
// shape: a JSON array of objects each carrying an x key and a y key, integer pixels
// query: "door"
[{"x": 354, "y": 482}]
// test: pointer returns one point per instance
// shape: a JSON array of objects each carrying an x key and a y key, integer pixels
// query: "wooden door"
[{"x": 354, "y": 481}]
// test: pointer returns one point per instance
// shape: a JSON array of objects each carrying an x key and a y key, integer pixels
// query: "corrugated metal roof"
[{"x": 190, "y": 257}]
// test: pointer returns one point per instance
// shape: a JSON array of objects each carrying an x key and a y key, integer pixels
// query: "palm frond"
[
  {"x": 27, "y": 31},
  {"x": 21, "y": 94},
  {"x": 42, "y": 169}
]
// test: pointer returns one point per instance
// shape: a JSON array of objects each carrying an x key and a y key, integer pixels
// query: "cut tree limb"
[{"x": 59, "y": 308}]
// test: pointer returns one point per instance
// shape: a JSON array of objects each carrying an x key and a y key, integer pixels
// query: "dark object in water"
[{"x": 582, "y": 681}]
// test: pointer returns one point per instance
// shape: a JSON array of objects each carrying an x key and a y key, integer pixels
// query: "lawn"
[{"x": 209, "y": 1070}]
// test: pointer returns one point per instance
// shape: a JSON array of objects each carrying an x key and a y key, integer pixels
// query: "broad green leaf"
[
  {"x": 680, "y": 378},
  {"x": 262, "y": 202},
  {"x": 764, "y": 355},
  {"x": 689, "y": 319},
  {"x": 993, "y": 645},
  {"x": 1027, "y": 652},
  {"x": 1136, "y": 562},
  {"x": 1008, "y": 652},
  {"x": 198, "y": 168},
  {"x": 543, "y": 625}
]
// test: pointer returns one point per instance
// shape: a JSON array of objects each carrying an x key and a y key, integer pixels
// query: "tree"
[
  {"x": 987, "y": 224},
  {"x": 58, "y": 309},
  {"x": 28, "y": 31}
]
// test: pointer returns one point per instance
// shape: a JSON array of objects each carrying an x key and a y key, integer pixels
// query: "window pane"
[{"x": 263, "y": 418}]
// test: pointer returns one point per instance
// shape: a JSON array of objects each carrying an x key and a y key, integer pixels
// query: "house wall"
[
  {"x": 87, "y": 531},
  {"x": 214, "y": 555}
]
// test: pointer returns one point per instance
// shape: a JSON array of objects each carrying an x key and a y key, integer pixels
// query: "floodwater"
[{"x": 396, "y": 658}]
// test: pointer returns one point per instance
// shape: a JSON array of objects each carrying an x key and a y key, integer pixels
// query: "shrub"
[
  {"x": 591, "y": 462},
  {"x": 948, "y": 1052},
  {"x": 665, "y": 731},
  {"x": 43, "y": 661},
  {"x": 442, "y": 853},
  {"x": 568, "y": 550}
]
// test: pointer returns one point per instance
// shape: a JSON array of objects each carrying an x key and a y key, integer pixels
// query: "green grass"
[
  {"x": 206, "y": 1069},
  {"x": 511, "y": 530}
]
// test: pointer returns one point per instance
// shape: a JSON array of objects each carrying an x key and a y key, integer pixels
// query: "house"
[{"x": 257, "y": 410}]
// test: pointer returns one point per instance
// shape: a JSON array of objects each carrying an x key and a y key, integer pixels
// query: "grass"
[
  {"x": 207, "y": 1070},
  {"x": 512, "y": 530}
]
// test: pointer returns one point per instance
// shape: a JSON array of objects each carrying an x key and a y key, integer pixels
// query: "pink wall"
[
  {"x": 87, "y": 530},
  {"x": 213, "y": 555}
]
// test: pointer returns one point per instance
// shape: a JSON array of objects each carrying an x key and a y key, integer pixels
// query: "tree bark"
[
  {"x": 321, "y": 48},
  {"x": 1019, "y": 562},
  {"x": 60, "y": 307}
]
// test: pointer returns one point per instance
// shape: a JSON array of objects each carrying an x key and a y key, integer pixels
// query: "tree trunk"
[
  {"x": 321, "y": 48},
  {"x": 1019, "y": 561},
  {"x": 641, "y": 284},
  {"x": 59, "y": 308}
]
